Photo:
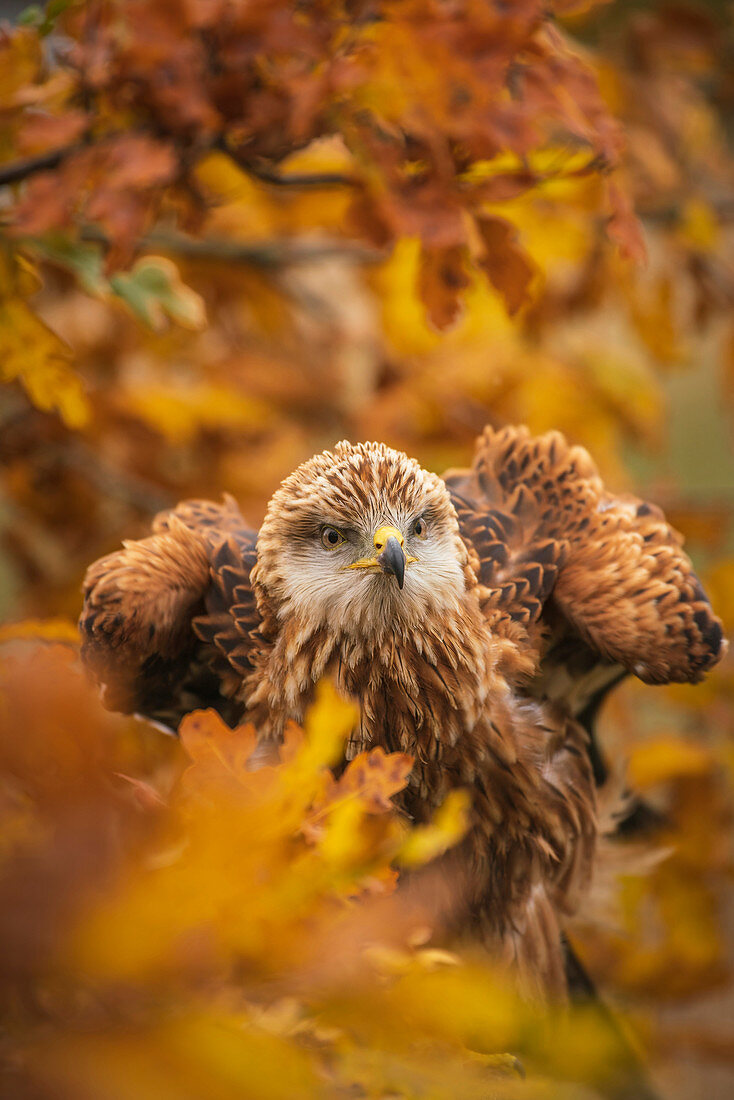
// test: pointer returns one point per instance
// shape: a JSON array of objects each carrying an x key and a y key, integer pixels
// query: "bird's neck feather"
[
  {"x": 422, "y": 689},
  {"x": 439, "y": 694}
]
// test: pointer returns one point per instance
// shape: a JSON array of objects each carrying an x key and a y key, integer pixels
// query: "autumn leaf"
[
  {"x": 47, "y": 630},
  {"x": 508, "y": 268},
  {"x": 180, "y": 412},
  {"x": 33, "y": 355},
  {"x": 43, "y": 131},
  {"x": 442, "y": 278},
  {"x": 623, "y": 226},
  {"x": 221, "y": 756},
  {"x": 154, "y": 292},
  {"x": 375, "y": 777},
  {"x": 329, "y": 721},
  {"x": 449, "y": 824},
  {"x": 388, "y": 221},
  {"x": 664, "y": 759}
]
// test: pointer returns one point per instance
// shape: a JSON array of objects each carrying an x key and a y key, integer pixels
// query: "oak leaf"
[
  {"x": 508, "y": 267},
  {"x": 374, "y": 777},
  {"x": 154, "y": 292},
  {"x": 443, "y": 276}
]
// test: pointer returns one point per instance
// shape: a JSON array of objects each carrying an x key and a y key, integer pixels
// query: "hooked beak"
[
  {"x": 390, "y": 556},
  {"x": 392, "y": 560}
]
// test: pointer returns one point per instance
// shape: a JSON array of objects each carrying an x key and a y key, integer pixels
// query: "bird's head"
[{"x": 361, "y": 540}]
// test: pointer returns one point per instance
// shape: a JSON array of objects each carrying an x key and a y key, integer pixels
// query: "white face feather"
[
  {"x": 319, "y": 581},
  {"x": 357, "y": 490}
]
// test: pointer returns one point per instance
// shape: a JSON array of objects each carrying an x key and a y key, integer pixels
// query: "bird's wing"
[
  {"x": 586, "y": 585},
  {"x": 167, "y": 621}
]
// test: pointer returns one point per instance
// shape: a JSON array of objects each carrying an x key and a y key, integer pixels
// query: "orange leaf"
[
  {"x": 375, "y": 776},
  {"x": 42, "y": 131},
  {"x": 220, "y": 754}
]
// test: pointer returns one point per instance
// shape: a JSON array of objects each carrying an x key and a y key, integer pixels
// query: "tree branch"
[
  {"x": 269, "y": 253},
  {"x": 296, "y": 179},
  {"x": 20, "y": 169},
  {"x": 300, "y": 179}
]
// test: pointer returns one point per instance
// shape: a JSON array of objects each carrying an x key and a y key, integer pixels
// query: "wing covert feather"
[
  {"x": 166, "y": 620},
  {"x": 562, "y": 558}
]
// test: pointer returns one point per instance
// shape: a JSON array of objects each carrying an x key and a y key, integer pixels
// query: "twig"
[
  {"x": 295, "y": 179},
  {"x": 273, "y": 253},
  {"x": 20, "y": 169},
  {"x": 299, "y": 179}
]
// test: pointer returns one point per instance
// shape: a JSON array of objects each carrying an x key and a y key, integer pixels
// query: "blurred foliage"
[
  {"x": 230, "y": 234},
  {"x": 222, "y": 931}
]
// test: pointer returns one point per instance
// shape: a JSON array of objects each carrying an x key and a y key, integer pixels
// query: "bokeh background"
[{"x": 272, "y": 320}]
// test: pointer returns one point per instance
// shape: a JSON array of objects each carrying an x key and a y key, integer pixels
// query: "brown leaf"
[
  {"x": 442, "y": 277},
  {"x": 503, "y": 186},
  {"x": 623, "y": 226},
  {"x": 41, "y": 131},
  {"x": 138, "y": 162},
  {"x": 508, "y": 267}
]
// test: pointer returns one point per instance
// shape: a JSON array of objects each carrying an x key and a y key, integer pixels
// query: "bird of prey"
[{"x": 477, "y": 619}]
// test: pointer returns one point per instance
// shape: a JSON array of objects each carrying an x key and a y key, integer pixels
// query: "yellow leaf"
[
  {"x": 21, "y": 57},
  {"x": 180, "y": 411},
  {"x": 34, "y": 355},
  {"x": 699, "y": 226},
  {"x": 653, "y": 311},
  {"x": 719, "y": 584},
  {"x": 330, "y": 719},
  {"x": 665, "y": 759},
  {"x": 449, "y": 824},
  {"x": 326, "y": 154},
  {"x": 46, "y": 630},
  {"x": 342, "y": 843},
  {"x": 404, "y": 319}
]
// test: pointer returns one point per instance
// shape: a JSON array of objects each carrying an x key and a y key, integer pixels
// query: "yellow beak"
[{"x": 390, "y": 556}]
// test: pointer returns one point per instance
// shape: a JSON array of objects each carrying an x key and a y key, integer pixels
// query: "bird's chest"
[{"x": 414, "y": 707}]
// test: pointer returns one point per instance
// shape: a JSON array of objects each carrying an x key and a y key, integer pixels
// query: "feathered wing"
[
  {"x": 166, "y": 620},
  {"x": 583, "y": 587},
  {"x": 589, "y": 585}
]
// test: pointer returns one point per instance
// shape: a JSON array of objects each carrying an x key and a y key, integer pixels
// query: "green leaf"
[
  {"x": 153, "y": 290},
  {"x": 43, "y": 20},
  {"x": 84, "y": 261}
]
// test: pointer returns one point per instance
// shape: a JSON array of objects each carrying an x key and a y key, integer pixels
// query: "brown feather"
[{"x": 157, "y": 620}]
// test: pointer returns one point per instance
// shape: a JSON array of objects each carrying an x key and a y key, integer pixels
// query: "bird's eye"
[
  {"x": 331, "y": 538},
  {"x": 420, "y": 528}
]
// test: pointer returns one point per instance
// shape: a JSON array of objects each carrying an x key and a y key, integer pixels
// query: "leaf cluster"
[{"x": 176, "y": 918}]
